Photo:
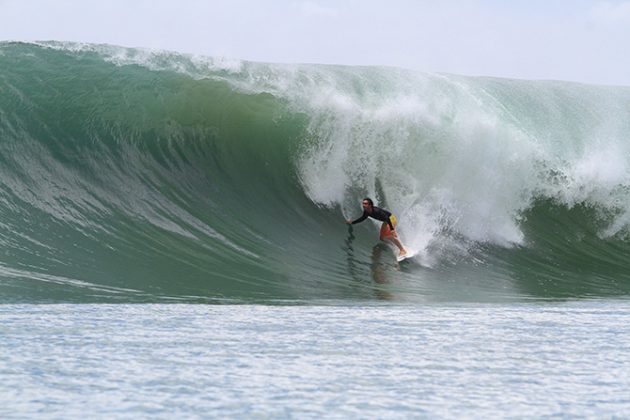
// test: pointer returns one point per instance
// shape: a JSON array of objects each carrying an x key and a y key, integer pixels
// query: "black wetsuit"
[{"x": 378, "y": 214}]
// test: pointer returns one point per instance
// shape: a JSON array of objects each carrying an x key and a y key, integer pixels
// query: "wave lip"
[{"x": 156, "y": 175}]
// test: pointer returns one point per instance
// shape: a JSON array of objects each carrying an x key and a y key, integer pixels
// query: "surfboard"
[{"x": 410, "y": 254}]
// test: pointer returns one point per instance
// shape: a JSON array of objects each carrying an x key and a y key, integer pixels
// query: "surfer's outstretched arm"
[{"x": 359, "y": 220}]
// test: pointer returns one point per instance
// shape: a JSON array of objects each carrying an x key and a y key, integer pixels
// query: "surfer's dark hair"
[{"x": 369, "y": 200}]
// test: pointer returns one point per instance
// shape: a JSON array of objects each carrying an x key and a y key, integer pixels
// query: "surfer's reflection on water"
[
  {"x": 381, "y": 267},
  {"x": 381, "y": 264}
]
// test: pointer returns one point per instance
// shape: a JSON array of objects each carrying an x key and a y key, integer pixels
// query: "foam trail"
[{"x": 177, "y": 176}]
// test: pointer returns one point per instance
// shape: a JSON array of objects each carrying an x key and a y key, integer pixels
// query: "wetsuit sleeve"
[{"x": 362, "y": 218}]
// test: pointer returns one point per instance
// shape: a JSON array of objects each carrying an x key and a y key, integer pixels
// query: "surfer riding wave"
[{"x": 388, "y": 228}]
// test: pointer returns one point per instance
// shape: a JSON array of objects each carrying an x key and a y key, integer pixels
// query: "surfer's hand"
[{"x": 348, "y": 222}]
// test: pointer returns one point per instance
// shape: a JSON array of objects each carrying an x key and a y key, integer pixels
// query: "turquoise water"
[
  {"x": 172, "y": 240},
  {"x": 364, "y": 361},
  {"x": 136, "y": 176}
]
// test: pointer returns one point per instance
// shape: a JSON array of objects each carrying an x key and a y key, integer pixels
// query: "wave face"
[{"x": 130, "y": 175}]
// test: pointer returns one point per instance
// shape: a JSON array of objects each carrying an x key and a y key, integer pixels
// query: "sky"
[{"x": 577, "y": 40}]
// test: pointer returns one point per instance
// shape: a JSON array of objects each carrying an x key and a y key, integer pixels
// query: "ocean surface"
[
  {"x": 319, "y": 361},
  {"x": 172, "y": 239}
]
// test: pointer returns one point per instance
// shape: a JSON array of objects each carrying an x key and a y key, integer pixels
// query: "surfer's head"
[{"x": 367, "y": 203}]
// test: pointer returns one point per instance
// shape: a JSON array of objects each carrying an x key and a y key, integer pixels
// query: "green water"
[
  {"x": 136, "y": 176},
  {"x": 172, "y": 240}
]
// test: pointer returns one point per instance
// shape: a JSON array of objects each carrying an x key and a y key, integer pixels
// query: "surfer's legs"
[
  {"x": 396, "y": 242},
  {"x": 388, "y": 235}
]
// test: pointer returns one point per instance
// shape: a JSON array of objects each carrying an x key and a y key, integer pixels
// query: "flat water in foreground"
[{"x": 161, "y": 361}]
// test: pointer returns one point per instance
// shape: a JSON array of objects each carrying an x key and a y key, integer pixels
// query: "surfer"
[{"x": 388, "y": 231}]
